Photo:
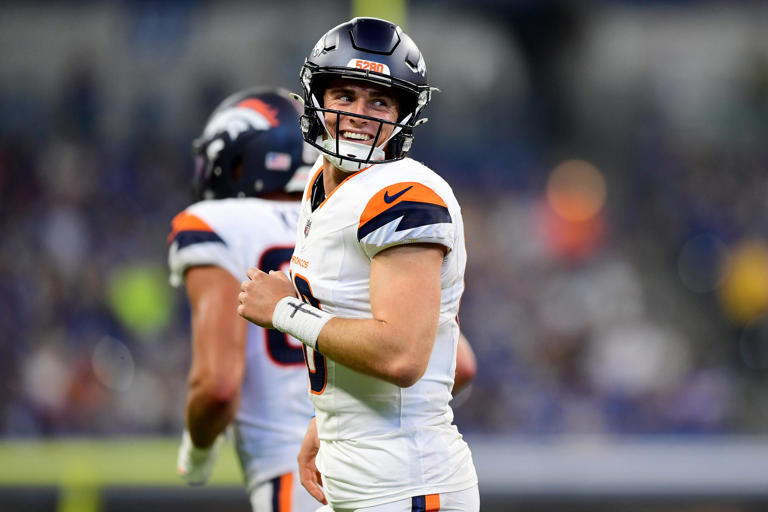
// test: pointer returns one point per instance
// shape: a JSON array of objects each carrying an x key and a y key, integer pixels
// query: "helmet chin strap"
[{"x": 351, "y": 149}]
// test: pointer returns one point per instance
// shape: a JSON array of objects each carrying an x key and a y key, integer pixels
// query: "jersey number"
[
  {"x": 315, "y": 360},
  {"x": 279, "y": 347}
]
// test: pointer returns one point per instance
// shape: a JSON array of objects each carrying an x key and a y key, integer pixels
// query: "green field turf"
[
  {"x": 80, "y": 468},
  {"x": 103, "y": 462}
]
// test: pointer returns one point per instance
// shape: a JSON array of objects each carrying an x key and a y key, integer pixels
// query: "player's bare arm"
[
  {"x": 466, "y": 365},
  {"x": 260, "y": 293},
  {"x": 216, "y": 371},
  {"x": 396, "y": 343},
  {"x": 218, "y": 353},
  {"x": 310, "y": 476}
]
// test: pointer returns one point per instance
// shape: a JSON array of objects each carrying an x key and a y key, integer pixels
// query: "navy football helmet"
[
  {"x": 251, "y": 146},
  {"x": 373, "y": 50}
]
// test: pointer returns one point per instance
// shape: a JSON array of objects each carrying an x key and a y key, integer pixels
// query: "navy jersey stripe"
[
  {"x": 418, "y": 504},
  {"x": 185, "y": 238},
  {"x": 413, "y": 213},
  {"x": 276, "y": 484}
]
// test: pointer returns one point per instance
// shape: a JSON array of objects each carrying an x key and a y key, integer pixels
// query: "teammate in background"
[
  {"x": 379, "y": 269},
  {"x": 251, "y": 167}
]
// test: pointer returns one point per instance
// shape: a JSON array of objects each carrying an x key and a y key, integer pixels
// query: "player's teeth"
[{"x": 359, "y": 136}]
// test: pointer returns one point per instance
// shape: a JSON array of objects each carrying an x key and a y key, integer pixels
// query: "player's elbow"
[
  {"x": 463, "y": 376},
  {"x": 224, "y": 394},
  {"x": 217, "y": 391},
  {"x": 466, "y": 369},
  {"x": 406, "y": 371},
  {"x": 466, "y": 364},
  {"x": 410, "y": 352}
]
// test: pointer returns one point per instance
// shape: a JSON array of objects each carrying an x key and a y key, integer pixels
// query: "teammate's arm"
[
  {"x": 218, "y": 362},
  {"x": 394, "y": 345},
  {"x": 218, "y": 353}
]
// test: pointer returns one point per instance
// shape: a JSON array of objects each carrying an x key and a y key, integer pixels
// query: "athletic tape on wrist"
[
  {"x": 195, "y": 452},
  {"x": 302, "y": 321}
]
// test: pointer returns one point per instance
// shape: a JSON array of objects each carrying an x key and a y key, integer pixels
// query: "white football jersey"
[
  {"x": 380, "y": 442},
  {"x": 236, "y": 234}
]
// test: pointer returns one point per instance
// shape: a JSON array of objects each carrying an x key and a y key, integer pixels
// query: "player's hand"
[
  {"x": 260, "y": 293},
  {"x": 195, "y": 464},
  {"x": 311, "y": 478}
]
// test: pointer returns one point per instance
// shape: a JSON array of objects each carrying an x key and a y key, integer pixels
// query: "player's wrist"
[
  {"x": 196, "y": 452},
  {"x": 194, "y": 463},
  {"x": 302, "y": 321}
]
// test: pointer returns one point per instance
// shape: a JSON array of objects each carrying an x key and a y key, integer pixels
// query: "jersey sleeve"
[
  {"x": 192, "y": 242},
  {"x": 404, "y": 213}
]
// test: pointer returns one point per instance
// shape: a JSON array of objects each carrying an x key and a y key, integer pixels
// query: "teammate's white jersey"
[
  {"x": 380, "y": 442},
  {"x": 236, "y": 234}
]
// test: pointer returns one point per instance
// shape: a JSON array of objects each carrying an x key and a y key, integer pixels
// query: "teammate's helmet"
[
  {"x": 376, "y": 51},
  {"x": 251, "y": 146}
]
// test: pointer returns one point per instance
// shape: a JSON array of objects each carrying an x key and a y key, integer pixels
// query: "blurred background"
[{"x": 610, "y": 159}]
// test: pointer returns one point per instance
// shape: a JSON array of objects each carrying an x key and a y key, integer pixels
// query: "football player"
[
  {"x": 251, "y": 166},
  {"x": 379, "y": 270}
]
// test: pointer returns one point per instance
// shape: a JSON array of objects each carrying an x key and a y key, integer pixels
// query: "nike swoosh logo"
[{"x": 388, "y": 198}]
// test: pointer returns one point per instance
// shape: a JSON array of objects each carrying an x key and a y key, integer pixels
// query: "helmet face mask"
[
  {"x": 374, "y": 51},
  {"x": 250, "y": 147}
]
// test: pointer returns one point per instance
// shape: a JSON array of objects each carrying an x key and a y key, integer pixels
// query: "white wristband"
[{"x": 302, "y": 321}]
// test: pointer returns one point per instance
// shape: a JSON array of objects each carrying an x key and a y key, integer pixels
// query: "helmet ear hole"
[
  {"x": 237, "y": 169},
  {"x": 406, "y": 104},
  {"x": 319, "y": 85}
]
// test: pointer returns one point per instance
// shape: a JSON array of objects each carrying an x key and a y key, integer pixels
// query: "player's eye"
[{"x": 342, "y": 96}]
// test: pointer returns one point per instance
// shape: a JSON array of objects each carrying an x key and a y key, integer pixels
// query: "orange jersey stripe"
[
  {"x": 187, "y": 222},
  {"x": 432, "y": 503},
  {"x": 342, "y": 182},
  {"x": 327, "y": 195},
  {"x": 312, "y": 181},
  {"x": 389, "y": 196},
  {"x": 286, "y": 492}
]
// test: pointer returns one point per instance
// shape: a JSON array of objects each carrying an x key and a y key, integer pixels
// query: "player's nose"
[{"x": 360, "y": 107}]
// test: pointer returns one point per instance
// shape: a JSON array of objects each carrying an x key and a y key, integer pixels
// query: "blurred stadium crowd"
[{"x": 611, "y": 162}]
